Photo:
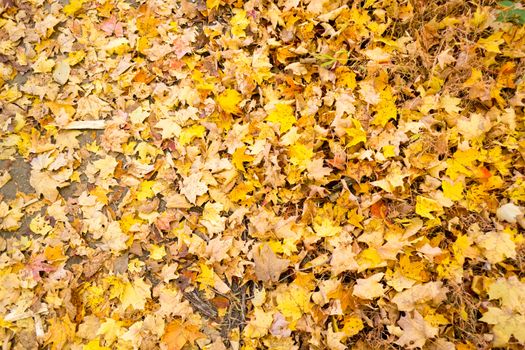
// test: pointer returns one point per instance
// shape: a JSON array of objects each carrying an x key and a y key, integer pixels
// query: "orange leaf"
[
  {"x": 177, "y": 334},
  {"x": 378, "y": 209}
]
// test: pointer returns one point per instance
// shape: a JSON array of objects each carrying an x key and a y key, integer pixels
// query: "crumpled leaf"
[{"x": 509, "y": 212}]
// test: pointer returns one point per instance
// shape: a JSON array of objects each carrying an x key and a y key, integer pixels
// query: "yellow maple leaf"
[
  {"x": 386, "y": 108},
  {"x": 212, "y": 4},
  {"x": 352, "y": 325},
  {"x": 241, "y": 192},
  {"x": 453, "y": 191},
  {"x": 259, "y": 324},
  {"x": 169, "y": 128},
  {"x": 294, "y": 302},
  {"x": 10, "y": 94},
  {"x": 54, "y": 253},
  {"x": 206, "y": 275},
  {"x": 325, "y": 227},
  {"x": 145, "y": 190},
  {"x": 282, "y": 114},
  {"x": 357, "y": 134},
  {"x": 475, "y": 76},
  {"x": 450, "y": 104},
  {"x": 506, "y": 323},
  {"x": 94, "y": 345},
  {"x": 425, "y": 206},
  {"x": 60, "y": 332},
  {"x": 462, "y": 163},
  {"x": 450, "y": 268},
  {"x": 300, "y": 155},
  {"x": 389, "y": 151},
  {"x": 157, "y": 252},
  {"x": 229, "y": 101},
  {"x": 346, "y": 79},
  {"x": 497, "y": 246},
  {"x": 369, "y": 259},
  {"x": 43, "y": 65},
  {"x": 135, "y": 294},
  {"x": 106, "y": 166},
  {"x": 75, "y": 57},
  {"x": 111, "y": 330},
  {"x": 73, "y": 6},
  {"x": 511, "y": 292},
  {"x": 60, "y": 108},
  {"x": 492, "y": 43},
  {"x": 40, "y": 225},
  {"x": 238, "y": 23},
  {"x": 189, "y": 133},
  {"x": 355, "y": 218},
  {"x": 239, "y": 157},
  {"x": 462, "y": 248}
]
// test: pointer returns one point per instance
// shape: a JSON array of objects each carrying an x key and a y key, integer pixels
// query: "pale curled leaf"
[{"x": 86, "y": 125}]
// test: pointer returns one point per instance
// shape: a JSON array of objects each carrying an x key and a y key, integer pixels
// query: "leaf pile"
[{"x": 285, "y": 175}]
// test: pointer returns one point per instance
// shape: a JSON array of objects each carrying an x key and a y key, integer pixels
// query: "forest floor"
[{"x": 219, "y": 174}]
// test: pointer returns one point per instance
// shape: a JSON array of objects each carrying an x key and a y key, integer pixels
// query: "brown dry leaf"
[
  {"x": 268, "y": 266},
  {"x": 44, "y": 184}
]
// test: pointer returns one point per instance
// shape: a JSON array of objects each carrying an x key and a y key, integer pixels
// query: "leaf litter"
[{"x": 246, "y": 175}]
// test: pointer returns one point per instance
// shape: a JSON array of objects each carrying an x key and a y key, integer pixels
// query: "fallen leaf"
[
  {"x": 178, "y": 334},
  {"x": 416, "y": 331},
  {"x": 369, "y": 288},
  {"x": 268, "y": 266}
]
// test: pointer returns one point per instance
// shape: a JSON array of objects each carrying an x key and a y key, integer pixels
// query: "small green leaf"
[{"x": 506, "y": 3}]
